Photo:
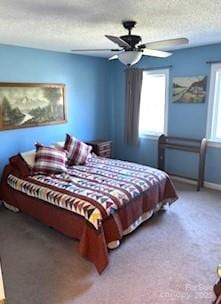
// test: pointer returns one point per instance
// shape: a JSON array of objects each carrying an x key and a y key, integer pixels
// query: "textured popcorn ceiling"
[{"x": 68, "y": 24}]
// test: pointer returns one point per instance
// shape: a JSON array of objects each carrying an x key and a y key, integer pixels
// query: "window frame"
[
  {"x": 166, "y": 72},
  {"x": 211, "y": 121}
]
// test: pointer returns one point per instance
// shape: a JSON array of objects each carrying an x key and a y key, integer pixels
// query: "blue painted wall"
[
  {"x": 87, "y": 96},
  {"x": 95, "y": 97},
  {"x": 184, "y": 120}
]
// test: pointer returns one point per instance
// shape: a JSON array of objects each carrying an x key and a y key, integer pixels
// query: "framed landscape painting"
[
  {"x": 31, "y": 104},
  {"x": 189, "y": 89}
]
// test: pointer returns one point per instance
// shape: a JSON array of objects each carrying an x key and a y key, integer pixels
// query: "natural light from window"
[
  {"x": 218, "y": 119},
  {"x": 214, "y": 113},
  {"x": 153, "y": 103}
]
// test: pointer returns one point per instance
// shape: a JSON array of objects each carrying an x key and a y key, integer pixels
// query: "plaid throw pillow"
[
  {"x": 78, "y": 151},
  {"x": 49, "y": 160}
]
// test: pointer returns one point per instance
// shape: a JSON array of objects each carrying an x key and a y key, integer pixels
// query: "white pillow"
[
  {"x": 59, "y": 144},
  {"x": 29, "y": 157}
]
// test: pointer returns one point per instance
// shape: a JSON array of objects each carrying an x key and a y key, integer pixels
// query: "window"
[
  {"x": 214, "y": 110},
  {"x": 154, "y": 102}
]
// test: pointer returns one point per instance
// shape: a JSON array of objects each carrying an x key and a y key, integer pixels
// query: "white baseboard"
[
  {"x": 212, "y": 186},
  {"x": 192, "y": 182}
]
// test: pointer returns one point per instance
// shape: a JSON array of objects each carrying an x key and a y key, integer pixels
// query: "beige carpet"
[{"x": 170, "y": 259}]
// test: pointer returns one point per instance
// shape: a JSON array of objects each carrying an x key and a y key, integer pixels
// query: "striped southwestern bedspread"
[{"x": 94, "y": 190}]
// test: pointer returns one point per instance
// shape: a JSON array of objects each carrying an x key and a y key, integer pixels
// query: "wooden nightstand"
[{"x": 101, "y": 148}]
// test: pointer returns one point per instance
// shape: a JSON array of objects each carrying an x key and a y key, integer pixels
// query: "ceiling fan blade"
[
  {"x": 97, "y": 50},
  {"x": 155, "y": 53},
  {"x": 164, "y": 43},
  {"x": 113, "y": 57},
  {"x": 118, "y": 41}
]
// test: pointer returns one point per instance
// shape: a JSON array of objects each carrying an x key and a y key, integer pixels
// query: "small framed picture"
[{"x": 189, "y": 89}]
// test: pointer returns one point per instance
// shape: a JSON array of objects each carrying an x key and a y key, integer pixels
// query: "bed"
[{"x": 97, "y": 203}]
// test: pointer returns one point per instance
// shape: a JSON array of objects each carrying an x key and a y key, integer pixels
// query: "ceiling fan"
[{"x": 131, "y": 49}]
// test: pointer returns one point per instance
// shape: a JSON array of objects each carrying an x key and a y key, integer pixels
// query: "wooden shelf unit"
[{"x": 184, "y": 144}]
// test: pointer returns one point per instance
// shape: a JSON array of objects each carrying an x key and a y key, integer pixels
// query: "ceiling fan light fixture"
[
  {"x": 130, "y": 57},
  {"x": 130, "y": 50}
]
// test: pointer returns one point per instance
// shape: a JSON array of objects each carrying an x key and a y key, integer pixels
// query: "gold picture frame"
[{"x": 25, "y": 105}]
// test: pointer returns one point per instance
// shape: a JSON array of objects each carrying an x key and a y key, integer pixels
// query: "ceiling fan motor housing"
[{"x": 132, "y": 40}]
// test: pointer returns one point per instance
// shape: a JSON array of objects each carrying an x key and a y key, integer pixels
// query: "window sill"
[
  {"x": 211, "y": 143},
  {"x": 149, "y": 136},
  {"x": 215, "y": 144}
]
